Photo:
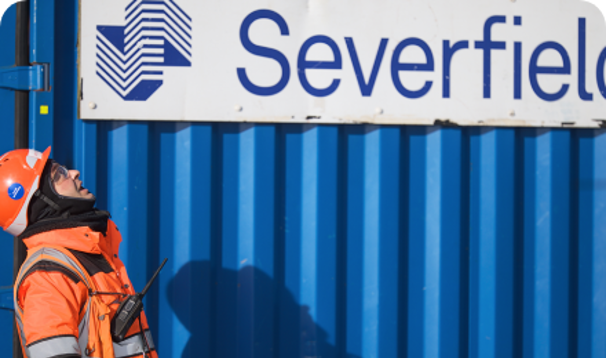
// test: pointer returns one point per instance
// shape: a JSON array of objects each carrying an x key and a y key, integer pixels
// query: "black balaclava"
[
  {"x": 49, "y": 210},
  {"x": 39, "y": 209}
]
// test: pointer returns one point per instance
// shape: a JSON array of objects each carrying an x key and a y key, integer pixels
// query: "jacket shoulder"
[{"x": 51, "y": 266}]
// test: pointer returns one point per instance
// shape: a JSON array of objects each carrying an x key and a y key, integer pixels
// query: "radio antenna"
[{"x": 152, "y": 279}]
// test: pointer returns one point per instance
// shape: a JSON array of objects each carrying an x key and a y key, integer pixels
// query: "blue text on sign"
[{"x": 367, "y": 83}]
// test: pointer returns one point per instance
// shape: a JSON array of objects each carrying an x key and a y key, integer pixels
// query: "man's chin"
[
  {"x": 84, "y": 193},
  {"x": 88, "y": 196}
]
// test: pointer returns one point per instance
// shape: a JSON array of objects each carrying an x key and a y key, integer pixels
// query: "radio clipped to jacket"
[{"x": 130, "y": 309}]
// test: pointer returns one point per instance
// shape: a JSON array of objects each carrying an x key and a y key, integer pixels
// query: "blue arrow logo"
[{"x": 131, "y": 58}]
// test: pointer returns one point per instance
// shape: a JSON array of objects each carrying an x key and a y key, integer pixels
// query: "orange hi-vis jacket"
[{"x": 67, "y": 293}]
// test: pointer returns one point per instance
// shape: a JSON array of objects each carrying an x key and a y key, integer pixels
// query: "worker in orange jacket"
[{"x": 72, "y": 282}]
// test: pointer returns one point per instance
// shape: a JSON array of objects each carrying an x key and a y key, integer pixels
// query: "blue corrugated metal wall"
[
  {"x": 362, "y": 241},
  {"x": 350, "y": 241}
]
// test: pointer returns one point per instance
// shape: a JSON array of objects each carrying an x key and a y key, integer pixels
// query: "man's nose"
[{"x": 74, "y": 174}]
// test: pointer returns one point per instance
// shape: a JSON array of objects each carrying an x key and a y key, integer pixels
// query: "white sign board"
[{"x": 469, "y": 62}]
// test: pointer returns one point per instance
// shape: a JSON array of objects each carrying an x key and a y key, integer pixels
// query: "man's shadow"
[{"x": 244, "y": 313}]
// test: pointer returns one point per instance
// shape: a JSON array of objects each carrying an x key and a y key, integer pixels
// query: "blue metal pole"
[{"x": 21, "y": 132}]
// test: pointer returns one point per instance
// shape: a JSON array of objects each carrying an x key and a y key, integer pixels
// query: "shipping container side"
[{"x": 304, "y": 240}]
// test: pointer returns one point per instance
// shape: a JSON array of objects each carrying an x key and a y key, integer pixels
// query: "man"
[{"x": 72, "y": 282}]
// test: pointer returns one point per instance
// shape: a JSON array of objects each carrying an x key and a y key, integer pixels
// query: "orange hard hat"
[{"x": 20, "y": 172}]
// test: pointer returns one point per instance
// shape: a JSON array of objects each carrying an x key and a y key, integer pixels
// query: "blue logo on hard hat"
[
  {"x": 16, "y": 191},
  {"x": 130, "y": 58}
]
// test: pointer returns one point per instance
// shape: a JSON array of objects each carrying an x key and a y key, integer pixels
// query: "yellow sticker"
[{"x": 43, "y": 109}]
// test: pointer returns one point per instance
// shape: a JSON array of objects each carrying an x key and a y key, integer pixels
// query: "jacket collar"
[{"x": 80, "y": 238}]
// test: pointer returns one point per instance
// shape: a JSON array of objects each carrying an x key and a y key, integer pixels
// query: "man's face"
[{"x": 67, "y": 182}]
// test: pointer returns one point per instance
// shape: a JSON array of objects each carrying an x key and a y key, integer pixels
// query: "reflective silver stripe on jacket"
[
  {"x": 53, "y": 347},
  {"x": 16, "y": 304},
  {"x": 133, "y": 345},
  {"x": 83, "y": 329},
  {"x": 20, "y": 324}
]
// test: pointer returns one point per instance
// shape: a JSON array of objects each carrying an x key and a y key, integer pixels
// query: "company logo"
[
  {"x": 16, "y": 191},
  {"x": 131, "y": 58}
]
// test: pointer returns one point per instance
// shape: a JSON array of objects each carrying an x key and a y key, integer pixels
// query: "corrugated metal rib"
[
  {"x": 7, "y": 143},
  {"x": 360, "y": 241}
]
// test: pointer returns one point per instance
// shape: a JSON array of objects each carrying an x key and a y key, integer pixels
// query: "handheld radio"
[{"x": 130, "y": 309}]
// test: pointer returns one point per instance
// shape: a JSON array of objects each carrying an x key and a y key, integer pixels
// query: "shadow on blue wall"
[{"x": 236, "y": 318}]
